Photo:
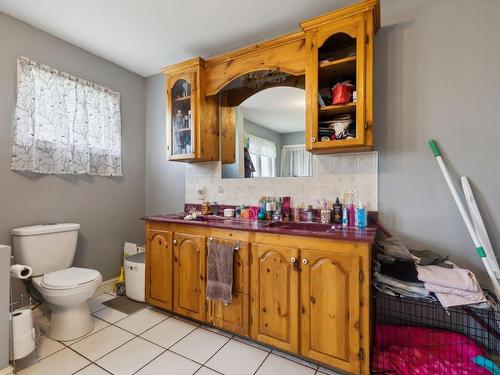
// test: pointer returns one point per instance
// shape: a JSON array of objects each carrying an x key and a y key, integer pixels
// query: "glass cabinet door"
[{"x": 181, "y": 119}]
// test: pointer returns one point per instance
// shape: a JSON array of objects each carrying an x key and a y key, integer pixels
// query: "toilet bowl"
[
  {"x": 66, "y": 293},
  {"x": 50, "y": 250}
]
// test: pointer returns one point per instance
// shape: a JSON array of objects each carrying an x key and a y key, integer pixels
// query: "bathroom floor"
[{"x": 154, "y": 342}]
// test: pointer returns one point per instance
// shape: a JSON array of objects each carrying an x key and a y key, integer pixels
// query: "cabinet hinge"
[
  {"x": 367, "y": 38},
  {"x": 206, "y": 306},
  {"x": 361, "y": 276},
  {"x": 361, "y": 355}
]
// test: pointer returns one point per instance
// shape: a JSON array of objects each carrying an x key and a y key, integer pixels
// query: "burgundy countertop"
[{"x": 284, "y": 228}]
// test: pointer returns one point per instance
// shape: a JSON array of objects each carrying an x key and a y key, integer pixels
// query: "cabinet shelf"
[
  {"x": 340, "y": 62},
  {"x": 337, "y": 109},
  {"x": 183, "y": 130}
]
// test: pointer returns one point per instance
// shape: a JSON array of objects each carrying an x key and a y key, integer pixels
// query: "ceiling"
[
  {"x": 144, "y": 36},
  {"x": 280, "y": 109}
]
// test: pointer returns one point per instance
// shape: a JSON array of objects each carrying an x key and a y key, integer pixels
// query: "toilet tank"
[{"x": 45, "y": 248}]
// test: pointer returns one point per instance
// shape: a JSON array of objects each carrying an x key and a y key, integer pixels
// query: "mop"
[{"x": 487, "y": 259}]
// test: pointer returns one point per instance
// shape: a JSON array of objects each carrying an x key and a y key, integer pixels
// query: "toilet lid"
[{"x": 69, "y": 277}]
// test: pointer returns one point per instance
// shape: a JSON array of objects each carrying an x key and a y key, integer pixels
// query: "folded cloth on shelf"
[
  {"x": 401, "y": 270},
  {"x": 220, "y": 270},
  {"x": 395, "y": 248},
  {"x": 405, "y": 288},
  {"x": 452, "y": 286},
  {"x": 429, "y": 257}
]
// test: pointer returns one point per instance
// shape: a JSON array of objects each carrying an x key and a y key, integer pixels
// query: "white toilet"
[{"x": 50, "y": 250}]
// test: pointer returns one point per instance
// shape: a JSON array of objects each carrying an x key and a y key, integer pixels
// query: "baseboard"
[
  {"x": 9, "y": 370},
  {"x": 106, "y": 287}
]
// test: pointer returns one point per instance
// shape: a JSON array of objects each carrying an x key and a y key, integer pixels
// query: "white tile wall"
[{"x": 333, "y": 174}]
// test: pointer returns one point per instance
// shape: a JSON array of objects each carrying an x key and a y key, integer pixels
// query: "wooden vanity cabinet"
[
  {"x": 192, "y": 116},
  {"x": 189, "y": 275},
  {"x": 303, "y": 295},
  {"x": 159, "y": 270},
  {"x": 339, "y": 47}
]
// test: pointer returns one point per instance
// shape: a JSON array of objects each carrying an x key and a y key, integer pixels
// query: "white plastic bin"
[{"x": 135, "y": 274}]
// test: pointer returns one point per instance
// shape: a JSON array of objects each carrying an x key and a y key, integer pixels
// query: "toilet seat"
[{"x": 69, "y": 278}]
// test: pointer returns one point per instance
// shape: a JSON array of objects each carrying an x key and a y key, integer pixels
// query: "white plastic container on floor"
[{"x": 135, "y": 274}]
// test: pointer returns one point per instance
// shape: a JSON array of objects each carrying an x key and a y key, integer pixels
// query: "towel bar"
[{"x": 237, "y": 248}]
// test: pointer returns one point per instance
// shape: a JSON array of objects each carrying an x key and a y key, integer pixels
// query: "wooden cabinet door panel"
[
  {"x": 159, "y": 269},
  {"x": 189, "y": 275},
  {"x": 275, "y": 293},
  {"x": 241, "y": 282},
  {"x": 234, "y": 316},
  {"x": 330, "y": 308}
]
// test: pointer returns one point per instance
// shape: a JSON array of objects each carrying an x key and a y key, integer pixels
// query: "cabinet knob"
[
  {"x": 293, "y": 260},
  {"x": 304, "y": 261},
  {"x": 313, "y": 139},
  {"x": 174, "y": 242}
]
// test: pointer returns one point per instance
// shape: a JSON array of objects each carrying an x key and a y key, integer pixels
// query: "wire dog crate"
[{"x": 416, "y": 336}]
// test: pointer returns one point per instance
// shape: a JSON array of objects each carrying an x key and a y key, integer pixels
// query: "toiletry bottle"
[
  {"x": 296, "y": 214},
  {"x": 310, "y": 213},
  {"x": 352, "y": 215},
  {"x": 345, "y": 216},
  {"x": 269, "y": 209},
  {"x": 337, "y": 212},
  {"x": 356, "y": 224},
  {"x": 215, "y": 209},
  {"x": 361, "y": 216}
]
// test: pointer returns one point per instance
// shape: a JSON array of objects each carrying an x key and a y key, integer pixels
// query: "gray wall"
[
  {"x": 4, "y": 305},
  {"x": 297, "y": 138},
  {"x": 164, "y": 180},
  {"x": 437, "y": 76},
  {"x": 108, "y": 209}
]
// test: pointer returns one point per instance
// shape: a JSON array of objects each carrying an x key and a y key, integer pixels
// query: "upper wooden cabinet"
[
  {"x": 339, "y": 49},
  {"x": 192, "y": 125},
  {"x": 329, "y": 49}
]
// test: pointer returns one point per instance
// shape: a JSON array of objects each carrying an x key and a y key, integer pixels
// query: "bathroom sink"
[{"x": 308, "y": 227}]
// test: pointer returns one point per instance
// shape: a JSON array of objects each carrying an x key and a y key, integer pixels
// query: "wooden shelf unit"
[{"x": 338, "y": 109}]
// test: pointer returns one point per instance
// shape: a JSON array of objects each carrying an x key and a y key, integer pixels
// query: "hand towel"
[{"x": 220, "y": 270}]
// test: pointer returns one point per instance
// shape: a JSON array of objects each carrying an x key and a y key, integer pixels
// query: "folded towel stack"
[{"x": 452, "y": 286}]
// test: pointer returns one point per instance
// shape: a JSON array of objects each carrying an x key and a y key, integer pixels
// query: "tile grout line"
[{"x": 265, "y": 359}]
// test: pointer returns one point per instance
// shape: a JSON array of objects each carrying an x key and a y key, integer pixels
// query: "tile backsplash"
[{"x": 332, "y": 175}]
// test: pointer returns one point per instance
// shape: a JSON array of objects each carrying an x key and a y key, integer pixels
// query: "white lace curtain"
[
  {"x": 65, "y": 125},
  {"x": 296, "y": 161},
  {"x": 263, "y": 154}
]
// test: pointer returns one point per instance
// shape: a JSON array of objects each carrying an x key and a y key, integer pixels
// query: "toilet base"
[{"x": 70, "y": 322}]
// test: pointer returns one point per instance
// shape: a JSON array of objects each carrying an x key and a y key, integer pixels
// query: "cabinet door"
[
  {"x": 189, "y": 275},
  {"x": 330, "y": 309},
  {"x": 335, "y": 52},
  {"x": 274, "y": 304},
  {"x": 181, "y": 115},
  {"x": 159, "y": 269},
  {"x": 235, "y": 315}
]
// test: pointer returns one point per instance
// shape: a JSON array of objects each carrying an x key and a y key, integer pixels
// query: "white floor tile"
[
  {"x": 130, "y": 357},
  {"x": 98, "y": 325},
  {"x": 199, "y": 345},
  {"x": 206, "y": 371},
  {"x": 95, "y": 304},
  {"x": 63, "y": 362},
  {"x": 102, "y": 342},
  {"x": 47, "y": 347},
  {"x": 92, "y": 370},
  {"x": 168, "y": 332},
  {"x": 278, "y": 365},
  {"x": 170, "y": 364},
  {"x": 110, "y": 315},
  {"x": 236, "y": 358},
  {"x": 296, "y": 359},
  {"x": 141, "y": 321}
]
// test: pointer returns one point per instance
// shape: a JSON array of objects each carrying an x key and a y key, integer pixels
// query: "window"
[
  {"x": 295, "y": 161},
  {"x": 65, "y": 124},
  {"x": 263, "y": 155}
]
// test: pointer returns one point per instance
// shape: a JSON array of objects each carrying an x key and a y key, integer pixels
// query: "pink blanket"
[{"x": 413, "y": 350}]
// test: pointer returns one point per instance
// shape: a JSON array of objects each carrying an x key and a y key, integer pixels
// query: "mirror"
[{"x": 262, "y": 126}]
